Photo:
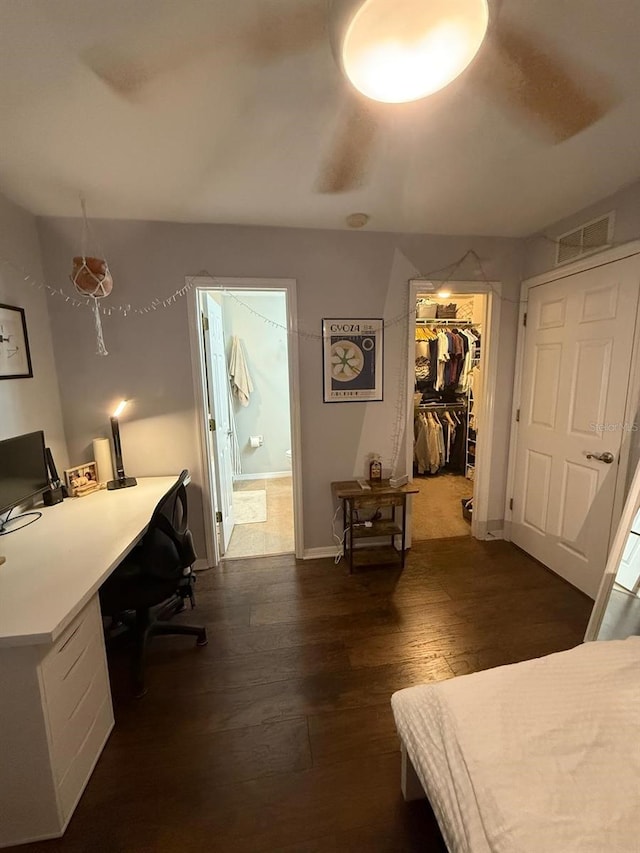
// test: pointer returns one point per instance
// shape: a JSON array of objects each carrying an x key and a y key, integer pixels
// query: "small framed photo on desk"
[{"x": 82, "y": 480}]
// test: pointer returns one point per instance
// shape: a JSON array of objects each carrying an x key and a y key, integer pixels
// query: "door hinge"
[
  {"x": 517, "y": 414},
  {"x": 219, "y": 517},
  {"x": 212, "y": 425},
  {"x": 205, "y": 323},
  {"x": 524, "y": 319},
  {"x": 511, "y": 504}
]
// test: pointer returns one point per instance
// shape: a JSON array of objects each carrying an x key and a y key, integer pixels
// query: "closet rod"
[{"x": 427, "y": 408}]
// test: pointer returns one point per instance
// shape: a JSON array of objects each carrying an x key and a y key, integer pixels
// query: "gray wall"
[
  {"x": 540, "y": 252},
  {"x": 338, "y": 273},
  {"x": 29, "y": 404},
  {"x": 265, "y": 349}
]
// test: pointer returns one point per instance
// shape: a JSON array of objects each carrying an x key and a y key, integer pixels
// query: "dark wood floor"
[{"x": 278, "y": 736}]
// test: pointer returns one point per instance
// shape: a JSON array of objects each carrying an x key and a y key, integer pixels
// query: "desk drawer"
[
  {"x": 75, "y": 685},
  {"x": 71, "y": 701},
  {"x": 68, "y": 735},
  {"x": 63, "y": 655},
  {"x": 77, "y": 775}
]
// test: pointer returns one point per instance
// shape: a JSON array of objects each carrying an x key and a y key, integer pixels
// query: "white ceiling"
[{"x": 219, "y": 138}]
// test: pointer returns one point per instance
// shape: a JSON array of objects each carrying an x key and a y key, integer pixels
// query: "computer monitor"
[{"x": 23, "y": 470}]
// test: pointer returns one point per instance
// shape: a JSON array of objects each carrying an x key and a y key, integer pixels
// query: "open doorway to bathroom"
[{"x": 246, "y": 363}]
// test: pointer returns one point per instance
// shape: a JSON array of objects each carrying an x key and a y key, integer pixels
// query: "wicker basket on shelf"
[
  {"x": 447, "y": 312},
  {"x": 426, "y": 310}
]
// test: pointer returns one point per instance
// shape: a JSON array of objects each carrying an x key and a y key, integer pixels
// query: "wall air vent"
[{"x": 587, "y": 239}]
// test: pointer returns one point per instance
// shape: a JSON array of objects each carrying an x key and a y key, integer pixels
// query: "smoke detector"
[{"x": 357, "y": 220}]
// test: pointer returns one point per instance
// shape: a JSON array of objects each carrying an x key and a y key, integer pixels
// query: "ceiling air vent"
[{"x": 588, "y": 238}]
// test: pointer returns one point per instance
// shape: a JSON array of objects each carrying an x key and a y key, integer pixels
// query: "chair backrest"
[{"x": 167, "y": 548}]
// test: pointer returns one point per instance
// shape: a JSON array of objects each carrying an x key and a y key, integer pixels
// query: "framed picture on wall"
[
  {"x": 15, "y": 358},
  {"x": 352, "y": 360}
]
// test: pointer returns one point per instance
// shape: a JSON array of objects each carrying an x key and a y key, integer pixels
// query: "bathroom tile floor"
[{"x": 273, "y": 536}]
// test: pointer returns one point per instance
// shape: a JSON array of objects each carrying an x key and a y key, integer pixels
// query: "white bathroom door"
[
  {"x": 219, "y": 424},
  {"x": 628, "y": 574},
  {"x": 576, "y": 372}
]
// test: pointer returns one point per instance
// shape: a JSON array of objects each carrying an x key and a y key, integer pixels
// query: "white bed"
[{"x": 538, "y": 757}]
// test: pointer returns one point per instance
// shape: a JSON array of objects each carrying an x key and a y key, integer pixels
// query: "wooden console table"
[{"x": 379, "y": 499}]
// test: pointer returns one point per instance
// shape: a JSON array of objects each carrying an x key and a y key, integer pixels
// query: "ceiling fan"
[{"x": 390, "y": 51}]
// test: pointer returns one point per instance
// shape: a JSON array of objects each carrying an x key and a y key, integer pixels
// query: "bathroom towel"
[
  {"x": 236, "y": 458},
  {"x": 241, "y": 383}
]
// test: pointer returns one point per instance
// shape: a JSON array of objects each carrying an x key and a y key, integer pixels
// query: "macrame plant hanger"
[{"x": 91, "y": 277}]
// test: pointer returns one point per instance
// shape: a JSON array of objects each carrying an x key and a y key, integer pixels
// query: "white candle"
[{"x": 102, "y": 457}]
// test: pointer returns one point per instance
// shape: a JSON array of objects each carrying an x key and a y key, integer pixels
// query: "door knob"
[{"x": 601, "y": 457}]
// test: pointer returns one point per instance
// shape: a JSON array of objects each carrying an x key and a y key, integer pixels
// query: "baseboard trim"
[
  {"x": 200, "y": 565},
  {"x": 271, "y": 475},
  {"x": 320, "y": 553},
  {"x": 226, "y": 559},
  {"x": 488, "y": 530},
  {"x": 495, "y": 534}
]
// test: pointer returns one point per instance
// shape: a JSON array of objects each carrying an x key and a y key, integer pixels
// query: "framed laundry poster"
[
  {"x": 352, "y": 360},
  {"x": 15, "y": 358}
]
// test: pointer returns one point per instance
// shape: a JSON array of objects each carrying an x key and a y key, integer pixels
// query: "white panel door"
[
  {"x": 218, "y": 400},
  {"x": 576, "y": 370}
]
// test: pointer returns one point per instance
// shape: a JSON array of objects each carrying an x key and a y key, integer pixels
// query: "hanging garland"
[
  {"x": 93, "y": 278},
  {"x": 94, "y": 282}
]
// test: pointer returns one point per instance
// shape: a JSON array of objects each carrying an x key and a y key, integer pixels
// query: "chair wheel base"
[{"x": 203, "y": 640}]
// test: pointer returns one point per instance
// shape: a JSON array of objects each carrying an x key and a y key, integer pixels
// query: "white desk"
[{"x": 55, "y": 705}]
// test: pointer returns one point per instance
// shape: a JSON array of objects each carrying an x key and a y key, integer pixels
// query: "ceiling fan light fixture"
[{"x": 396, "y": 51}]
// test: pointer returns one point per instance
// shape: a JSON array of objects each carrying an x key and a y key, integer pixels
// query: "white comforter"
[{"x": 538, "y": 757}]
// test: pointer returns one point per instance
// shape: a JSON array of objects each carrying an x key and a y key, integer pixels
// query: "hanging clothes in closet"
[
  {"x": 475, "y": 387},
  {"x": 439, "y": 440},
  {"x": 444, "y": 359},
  {"x": 447, "y": 356}
]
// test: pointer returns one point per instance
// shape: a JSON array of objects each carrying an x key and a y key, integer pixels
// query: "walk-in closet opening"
[
  {"x": 448, "y": 395},
  {"x": 247, "y": 416}
]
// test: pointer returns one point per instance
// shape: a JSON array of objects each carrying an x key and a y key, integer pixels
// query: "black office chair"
[{"x": 153, "y": 581}]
